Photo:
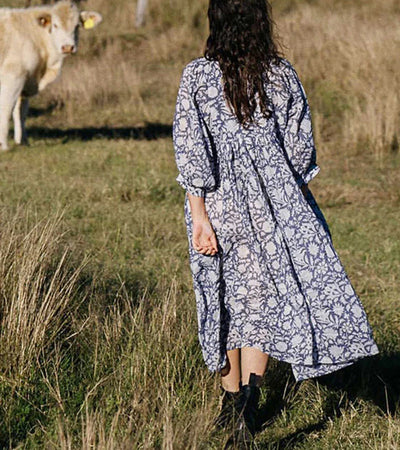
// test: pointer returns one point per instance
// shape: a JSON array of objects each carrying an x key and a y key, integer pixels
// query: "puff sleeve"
[
  {"x": 193, "y": 149},
  {"x": 294, "y": 121}
]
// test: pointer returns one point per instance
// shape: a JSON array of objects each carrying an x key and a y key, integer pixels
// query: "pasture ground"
[{"x": 98, "y": 330}]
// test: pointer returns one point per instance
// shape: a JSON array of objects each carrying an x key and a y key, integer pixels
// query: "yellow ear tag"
[{"x": 88, "y": 24}]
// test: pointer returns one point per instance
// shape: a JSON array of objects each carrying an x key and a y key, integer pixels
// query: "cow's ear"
[
  {"x": 90, "y": 19},
  {"x": 44, "y": 20}
]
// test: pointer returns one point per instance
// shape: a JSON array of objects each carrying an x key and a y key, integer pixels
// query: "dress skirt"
[{"x": 276, "y": 283}]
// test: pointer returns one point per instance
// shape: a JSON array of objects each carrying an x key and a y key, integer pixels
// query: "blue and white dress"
[{"x": 277, "y": 283}]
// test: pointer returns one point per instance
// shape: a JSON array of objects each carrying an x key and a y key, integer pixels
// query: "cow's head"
[{"x": 63, "y": 21}]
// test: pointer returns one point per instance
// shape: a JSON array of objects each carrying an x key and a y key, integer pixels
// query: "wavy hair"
[{"x": 241, "y": 40}]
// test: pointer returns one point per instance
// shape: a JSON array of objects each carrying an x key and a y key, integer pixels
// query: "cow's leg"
[
  {"x": 10, "y": 90},
  {"x": 19, "y": 115},
  {"x": 17, "y": 121}
]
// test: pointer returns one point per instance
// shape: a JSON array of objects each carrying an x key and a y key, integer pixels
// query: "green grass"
[{"x": 133, "y": 370}]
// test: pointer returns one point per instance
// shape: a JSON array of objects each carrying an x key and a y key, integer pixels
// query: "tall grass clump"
[
  {"x": 147, "y": 386},
  {"x": 87, "y": 365},
  {"x": 37, "y": 287}
]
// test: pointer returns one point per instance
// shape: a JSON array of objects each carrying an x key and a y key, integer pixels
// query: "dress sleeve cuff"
[
  {"x": 307, "y": 177},
  {"x": 196, "y": 191}
]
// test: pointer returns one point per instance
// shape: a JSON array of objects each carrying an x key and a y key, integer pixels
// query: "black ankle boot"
[
  {"x": 246, "y": 425},
  {"x": 229, "y": 410},
  {"x": 251, "y": 396}
]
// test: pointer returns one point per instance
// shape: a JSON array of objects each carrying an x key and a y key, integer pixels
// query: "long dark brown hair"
[{"x": 241, "y": 40}]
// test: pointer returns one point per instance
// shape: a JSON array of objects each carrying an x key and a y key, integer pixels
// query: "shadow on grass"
[
  {"x": 375, "y": 379},
  {"x": 39, "y": 112},
  {"x": 150, "y": 131}
]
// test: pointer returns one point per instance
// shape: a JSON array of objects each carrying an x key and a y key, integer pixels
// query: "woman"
[{"x": 267, "y": 278}]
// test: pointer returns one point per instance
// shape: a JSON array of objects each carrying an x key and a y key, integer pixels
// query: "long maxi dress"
[{"x": 276, "y": 283}]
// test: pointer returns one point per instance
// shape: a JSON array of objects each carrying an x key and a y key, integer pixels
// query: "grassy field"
[{"x": 98, "y": 344}]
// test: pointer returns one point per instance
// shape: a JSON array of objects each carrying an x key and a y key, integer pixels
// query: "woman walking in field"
[{"x": 267, "y": 279}]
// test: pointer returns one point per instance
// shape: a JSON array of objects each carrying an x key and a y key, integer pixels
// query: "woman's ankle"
[{"x": 253, "y": 380}]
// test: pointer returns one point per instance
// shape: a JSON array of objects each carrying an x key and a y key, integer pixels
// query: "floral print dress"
[{"x": 276, "y": 283}]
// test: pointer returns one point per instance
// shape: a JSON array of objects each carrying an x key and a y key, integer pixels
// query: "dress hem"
[{"x": 324, "y": 368}]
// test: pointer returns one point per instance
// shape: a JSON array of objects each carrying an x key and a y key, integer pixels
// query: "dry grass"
[
  {"x": 36, "y": 292},
  {"x": 346, "y": 56}
]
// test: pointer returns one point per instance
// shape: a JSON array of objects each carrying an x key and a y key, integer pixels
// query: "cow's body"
[{"x": 33, "y": 44}]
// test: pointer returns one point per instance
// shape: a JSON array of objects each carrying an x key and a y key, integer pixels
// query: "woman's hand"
[{"x": 204, "y": 239}]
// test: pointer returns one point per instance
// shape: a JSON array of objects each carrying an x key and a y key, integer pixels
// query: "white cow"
[{"x": 33, "y": 44}]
